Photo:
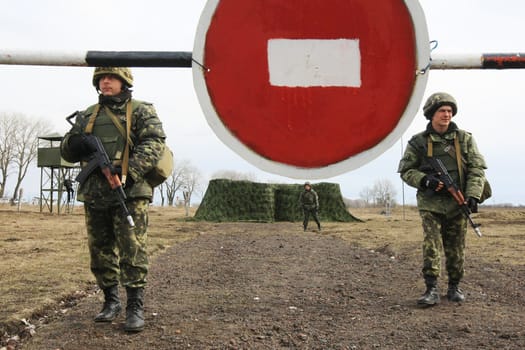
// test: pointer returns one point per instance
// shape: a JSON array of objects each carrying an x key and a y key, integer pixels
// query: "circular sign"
[{"x": 310, "y": 88}]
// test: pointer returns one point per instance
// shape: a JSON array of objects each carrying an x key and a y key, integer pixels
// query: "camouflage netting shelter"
[{"x": 229, "y": 200}]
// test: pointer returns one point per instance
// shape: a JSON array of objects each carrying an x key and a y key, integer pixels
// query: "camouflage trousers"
[
  {"x": 449, "y": 235},
  {"x": 118, "y": 251},
  {"x": 310, "y": 211}
]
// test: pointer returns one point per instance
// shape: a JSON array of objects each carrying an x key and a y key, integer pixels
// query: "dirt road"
[{"x": 271, "y": 286}]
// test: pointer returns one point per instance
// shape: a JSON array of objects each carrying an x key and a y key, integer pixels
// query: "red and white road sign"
[{"x": 310, "y": 88}]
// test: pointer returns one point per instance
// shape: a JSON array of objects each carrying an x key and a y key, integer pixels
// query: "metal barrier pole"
[{"x": 183, "y": 59}]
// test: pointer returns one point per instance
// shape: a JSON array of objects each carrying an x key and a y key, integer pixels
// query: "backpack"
[
  {"x": 162, "y": 170},
  {"x": 487, "y": 191}
]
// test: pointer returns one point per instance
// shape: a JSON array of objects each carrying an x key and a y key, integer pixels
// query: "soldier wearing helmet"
[
  {"x": 309, "y": 202},
  {"x": 437, "y": 100},
  {"x": 444, "y": 225},
  {"x": 122, "y": 73},
  {"x": 118, "y": 252}
]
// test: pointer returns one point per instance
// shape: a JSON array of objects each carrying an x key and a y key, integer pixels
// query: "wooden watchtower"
[{"x": 57, "y": 185}]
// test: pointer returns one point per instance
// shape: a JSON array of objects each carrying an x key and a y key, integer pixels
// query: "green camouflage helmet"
[
  {"x": 123, "y": 73},
  {"x": 437, "y": 100}
]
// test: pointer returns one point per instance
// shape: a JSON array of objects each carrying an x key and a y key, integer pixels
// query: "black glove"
[
  {"x": 129, "y": 181},
  {"x": 82, "y": 145},
  {"x": 472, "y": 204},
  {"x": 117, "y": 170},
  {"x": 430, "y": 181}
]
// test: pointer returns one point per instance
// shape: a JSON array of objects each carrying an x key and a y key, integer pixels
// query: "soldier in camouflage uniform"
[
  {"x": 444, "y": 225},
  {"x": 117, "y": 251},
  {"x": 309, "y": 201}
]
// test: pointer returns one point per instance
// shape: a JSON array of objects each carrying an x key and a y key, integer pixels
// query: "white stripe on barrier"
[
  {"x": 314, "y": 62},
  {"x": 40, "y": 58}
]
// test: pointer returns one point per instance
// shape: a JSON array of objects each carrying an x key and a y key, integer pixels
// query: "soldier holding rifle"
[
  {"x": 128, "y": 135},
  {"x": 444, "y": 219}
]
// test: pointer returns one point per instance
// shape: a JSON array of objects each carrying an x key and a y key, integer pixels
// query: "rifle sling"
[
  {"x": 91, "y": 121},
  {"x": 458, "y": 159},
  {"x": 454, "y": 152},
  {"x": 129, "y": 143},
  {"x": 124, "y": 132}
]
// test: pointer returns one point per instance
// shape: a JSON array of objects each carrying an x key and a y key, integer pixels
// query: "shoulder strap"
[
  {"x": 126, "y": 133},
  {"x": 454, "y": 152},
  {"x": 458, "y": 158},
  {"x": 130, "y": 107},
  {"x": 91, "y": 121},
  {"x": 129, "y": 144},
  {"x": 430, "y": 147}
]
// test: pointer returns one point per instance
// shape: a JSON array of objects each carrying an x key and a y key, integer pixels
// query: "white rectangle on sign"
[{"x": 314, "y": 62}]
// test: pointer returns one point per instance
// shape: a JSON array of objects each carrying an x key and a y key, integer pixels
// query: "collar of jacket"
[
  {"x": 451, "y": 128},
  {"x": 115, "y": 103}
]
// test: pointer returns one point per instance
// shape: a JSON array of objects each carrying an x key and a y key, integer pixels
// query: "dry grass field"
[
  {"x": 45, "y": 257},
  {"x": 45, "y": 270}
]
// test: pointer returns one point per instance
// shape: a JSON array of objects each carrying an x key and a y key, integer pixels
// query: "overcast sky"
[{"x": 490, "y": 102}]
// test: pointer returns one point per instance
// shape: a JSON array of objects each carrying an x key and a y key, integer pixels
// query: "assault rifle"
[
  {"x": 100, "y": 159},
  {"x": 439, "y": 169}
]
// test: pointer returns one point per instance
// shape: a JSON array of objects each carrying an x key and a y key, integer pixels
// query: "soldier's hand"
[
  {"x": 81, "y": 144},
  {"x": 431, "y": 182},
  {"x": 117, "y": 170},
  {"x": 129, "y": 181},
  {"x": 90, "y": 142},
  {"x": 472, "y": 204}
]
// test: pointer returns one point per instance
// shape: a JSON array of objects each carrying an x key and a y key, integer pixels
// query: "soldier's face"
[
  {"x": 110, "y": 85},
  {"x": 307, "y": 187},
  {"x": 442, "y": 118}
]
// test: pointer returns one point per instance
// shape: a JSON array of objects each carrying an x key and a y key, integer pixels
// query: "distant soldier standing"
[
  {"x": 309, "y": 201},
  {"x": 444, "y": 225},
  {"x": 118, "y": 251},
  {"x": 68, "y": 184}
]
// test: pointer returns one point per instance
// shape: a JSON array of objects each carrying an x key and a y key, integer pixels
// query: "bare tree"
[
  {"x": 367, "y": 195},
  {"x": 234, "y": 175},
  {"x": 384, "y": 192},
  {"x": 176, "y": 180},
  {"x": 7, "y": 144},
  {"x": 161, "y": 191},
  {"x": 25, "y": 147},
  {"x": 185, "y": 178},
  {"x": 381, "y": 193},
  {"x": 192, "y": 184}
]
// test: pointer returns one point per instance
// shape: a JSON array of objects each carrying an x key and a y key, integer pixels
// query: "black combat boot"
[
  {"x": 454, "y": 293},
  {"x": 111, "y": 307},
  {"x": 431, "y": 296},
  {"x": 319, "y": 227},
  {"x": 134, "y": 310}
]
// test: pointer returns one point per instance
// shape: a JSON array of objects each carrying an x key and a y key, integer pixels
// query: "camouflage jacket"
[
  {"x": 413, "y": 168},
  {"x": 309, "y": 199},
  {"x": 147, "y": 136}
]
